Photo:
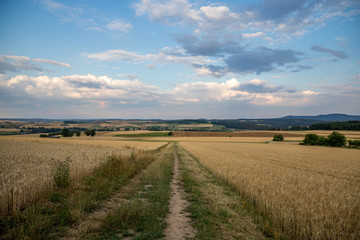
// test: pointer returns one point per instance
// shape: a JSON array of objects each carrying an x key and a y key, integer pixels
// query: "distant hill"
[{"x": 335, "y": 117}]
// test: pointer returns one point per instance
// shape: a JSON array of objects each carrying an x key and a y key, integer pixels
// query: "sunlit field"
[
  {"x": 27, "y": 162},
  {"x": 309, "y": 192}
]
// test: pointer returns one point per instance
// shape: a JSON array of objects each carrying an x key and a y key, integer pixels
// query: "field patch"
[
  {"x": 145, "y": 134},
  {"x": 310, "y": 192},
  {"x": 233, "y": 134}
]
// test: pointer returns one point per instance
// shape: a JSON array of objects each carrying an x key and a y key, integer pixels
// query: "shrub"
[
  {"x": 278, "y": 137},
  {"x": 310, "y": 139},
  {"x": 170, "y": 133},
  {"x": 61, "y": 174},
  {"x": 78, "y": 134},
  {"x": 323, "y": 141},
  {"x": 336, "y": 139}
]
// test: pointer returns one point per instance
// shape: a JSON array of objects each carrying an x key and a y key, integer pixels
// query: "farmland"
[
  {"x": 310, "y": 192},
  {"x": 27, "y": 163},
  {"x": 302, "y": 192}
]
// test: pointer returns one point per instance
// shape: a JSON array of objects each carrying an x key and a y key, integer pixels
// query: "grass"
[
  {"x": 67, "y": 205},
  {"x": 142, "y": 212},
  {"x": 150, "y": 134},
  {"x": 9, "y": 133},
  {"x": 217, "y": 211}
]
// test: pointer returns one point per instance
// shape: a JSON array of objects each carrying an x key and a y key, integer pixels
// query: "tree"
[
  {"x": 323, "y": 141},
  {"x": 90, "y": 132},
  {"x": 310, "y": 139},
  {"x": 278, "y": 137},
  {"x": 66, "y": 133},
  {"x": 336, "y": 139},
  {"x": 78, "y": 133}
]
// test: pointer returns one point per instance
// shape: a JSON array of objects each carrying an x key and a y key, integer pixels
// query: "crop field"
[
  {"x": 27, "y": 163},
  {"x": 233, "y": 134},
  {"x": 309, "y": 192}
]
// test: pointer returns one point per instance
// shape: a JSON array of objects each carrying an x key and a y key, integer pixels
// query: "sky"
[{"x": 176, "y": 59}]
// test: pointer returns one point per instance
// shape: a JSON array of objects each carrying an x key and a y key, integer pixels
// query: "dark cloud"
[
  {"x": 261, "y": 60},
  {"x": 78, "y": 84},
  {"x": 336, "y": 53},
  {"x": 215, "y": 71},
  {"x": 259, "y": 87}
]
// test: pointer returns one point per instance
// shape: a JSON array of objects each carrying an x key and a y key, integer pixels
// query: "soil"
[{"x": 178, "y": 220}]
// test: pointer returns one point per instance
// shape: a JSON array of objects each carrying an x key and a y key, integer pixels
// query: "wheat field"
[
  {"x": 27, "y": 163},
  {"x": 309, "y": 192}
]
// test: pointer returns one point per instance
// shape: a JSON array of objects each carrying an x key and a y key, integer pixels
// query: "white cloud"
[
  {"x": 163, "y": 57},
  {"x": 10, "y": 63},
  {"x": 119, "y": 25},
  {"x": 309, "y": 92},
  {"x": 253, "y": 35},
  {"x": 85, "y": 87},
  {"x": 218, "y": 13},
  {"x": 88, "y": 88},
  {"x": 179, "y": 10}
]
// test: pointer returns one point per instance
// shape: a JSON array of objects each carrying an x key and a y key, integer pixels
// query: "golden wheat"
[
  {"x": 27, "y": 164},
  {"x": 310, "y": 192}
]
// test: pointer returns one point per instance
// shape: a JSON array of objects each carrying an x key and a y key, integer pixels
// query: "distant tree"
[
  {"x": 66, "y": 133},
  {"x": 310, "y": 139},
  {"x": 92, "y": 132},
  {"x": 78, "y": 133},
  {"x": 170, "y": 133},
  {"x": 278, "y": 138},
  {"x": 336, "y": 139},
  {"x": 322, "y": 141}
]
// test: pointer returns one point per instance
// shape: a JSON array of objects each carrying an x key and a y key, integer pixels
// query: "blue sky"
[{"x": 179, "y": 58}]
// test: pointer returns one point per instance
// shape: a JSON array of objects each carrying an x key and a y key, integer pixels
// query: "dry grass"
[
  {"x": 309, "y": 192},
  {"x": 27, "y": 163}
]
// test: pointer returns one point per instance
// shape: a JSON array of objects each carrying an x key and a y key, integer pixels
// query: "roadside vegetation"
[
  {"x": 71, "y": 201},
  {"x": 143, "y": 205}
]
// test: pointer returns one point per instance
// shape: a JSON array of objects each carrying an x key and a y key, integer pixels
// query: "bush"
[
  {"x": 337, "y": 139},
  {"x": 278, "y": 137},
  {"x": 170, "y": 133},
  {"x": 61, "y": 174},
  {"x": 78, "y": 134},
  {"x": 354, "y": 143},
  {"x": 66, "y": 133},
  {"x": 322, "y": 141},
  {"x": 310, "y": 139}
]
